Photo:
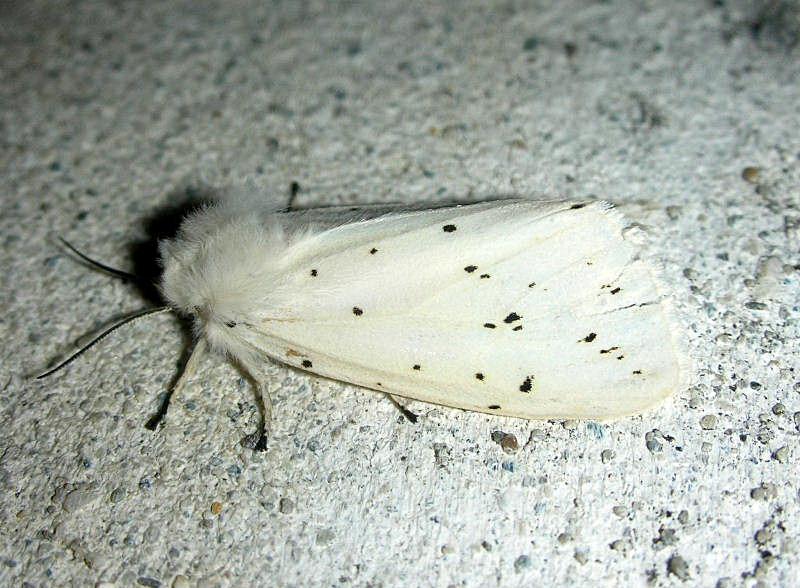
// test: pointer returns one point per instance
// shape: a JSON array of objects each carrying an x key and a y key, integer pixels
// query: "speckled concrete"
[{"x": 114, "y": 112}]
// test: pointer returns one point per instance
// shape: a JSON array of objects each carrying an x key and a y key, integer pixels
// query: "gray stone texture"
[{"x": 685, "y": 114}]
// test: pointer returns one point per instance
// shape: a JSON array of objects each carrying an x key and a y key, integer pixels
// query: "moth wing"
[{"x": 522, "y": 308}]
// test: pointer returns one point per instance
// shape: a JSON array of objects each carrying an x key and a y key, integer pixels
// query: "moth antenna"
[
  {"x": 103, "y": 335},
  {"x": 101, "y": 266}
]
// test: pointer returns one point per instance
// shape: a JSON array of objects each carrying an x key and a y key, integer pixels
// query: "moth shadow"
[{"x": 162, "y": 224}]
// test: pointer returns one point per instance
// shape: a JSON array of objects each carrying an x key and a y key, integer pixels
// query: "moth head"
[
  {"x": 198, "y": 349},
  {"x": 194, "y": 282},
  {"x": 181, "y": 287},
  {"x": 217, "y": 270}
]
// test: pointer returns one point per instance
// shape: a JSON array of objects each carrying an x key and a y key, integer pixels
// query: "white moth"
[{"x": 531, "y": 309}]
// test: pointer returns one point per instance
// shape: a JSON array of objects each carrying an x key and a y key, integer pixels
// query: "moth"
[{"x": 516, "y": 307}]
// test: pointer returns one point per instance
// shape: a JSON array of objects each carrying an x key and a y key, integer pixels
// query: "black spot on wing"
[
  {"x": 616, "y": 290},
  {"x": 313, "y": 273},
  {"x": 527, "y": 385},
  {"x": 307, "y": 363},
  {"x": 484, "y": 276},
  {"x": 357, "y": 311},
  {"x": 517, "y": 328},
  {"x": 416, "y": 367},
  {"x": 637, "y": 372},
  {"x": 449, "y": 228},
  {"x": 373, "y": 251},
  {"x": 532, "y": 284},
  {"x": 609, "y": 350},
  {"x": 470, "y": 268},
  {"x": 588, "y": 338},
  {"x": 230, "y": 324},
  {"x": 511, "y": 318},
  {"x": 490, "y": 325},
  {"x": 493, "y": 407},
  {"x": 577, "y": 206},
  {"x": 479, "y": 376}
]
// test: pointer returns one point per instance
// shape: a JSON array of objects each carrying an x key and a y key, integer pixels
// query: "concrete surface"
[{"x": 113, "y": 112}]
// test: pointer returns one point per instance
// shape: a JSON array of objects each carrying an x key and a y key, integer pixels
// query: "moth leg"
[
  {"x": 412, "y": 417},
  {"x": 258, "y": 439},
  {"x": 189, "y": 370},
  {"x": 266, "y": 417}
]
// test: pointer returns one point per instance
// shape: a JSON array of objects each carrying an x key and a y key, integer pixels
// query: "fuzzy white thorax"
[{"x": 222, "y": 268}]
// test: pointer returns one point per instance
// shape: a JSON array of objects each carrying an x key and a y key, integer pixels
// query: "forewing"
[{"x": 536, "y": 310}]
